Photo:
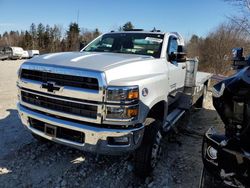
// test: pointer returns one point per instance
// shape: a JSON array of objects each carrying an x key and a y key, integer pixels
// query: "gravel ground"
[{"x": 24, "y": 162}]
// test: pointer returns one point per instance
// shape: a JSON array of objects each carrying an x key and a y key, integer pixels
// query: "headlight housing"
[
  {"x": 212, "y": 152},
  {"x": 122, "y": 113},
  {"x": 122, "y": 94},
  {"x": 122, "y": 103}
]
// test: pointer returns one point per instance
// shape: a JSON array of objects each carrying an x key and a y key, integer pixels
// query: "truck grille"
[
  {"x": 83, "y": 110},
  {"x": 61, "y": 79}
]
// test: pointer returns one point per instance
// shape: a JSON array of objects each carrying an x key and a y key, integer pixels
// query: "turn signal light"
[
  {"x": 133, "y": 94},
  {"x": 132, "y": 112}
]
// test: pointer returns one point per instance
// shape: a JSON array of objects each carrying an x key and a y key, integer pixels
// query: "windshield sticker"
[
  {"x": 152, "y": 39},
  {"x": 150, "y": 51}
]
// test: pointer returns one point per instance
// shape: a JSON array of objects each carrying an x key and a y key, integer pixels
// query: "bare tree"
[
  {"x": 242, "y": 4},
  {"x": 55, "y": 38},
  {"x": 214, "y": 51},
  {"x": 193, "y": 46},
  {"x": 242, "y": 19},
  {"x": 87, "y": 35}
]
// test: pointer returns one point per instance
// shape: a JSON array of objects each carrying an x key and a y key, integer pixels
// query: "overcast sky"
[{"x": 185, "y": 16}]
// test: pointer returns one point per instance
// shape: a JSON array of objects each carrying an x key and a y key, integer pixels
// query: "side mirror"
[{"x": 179, "y": 56}]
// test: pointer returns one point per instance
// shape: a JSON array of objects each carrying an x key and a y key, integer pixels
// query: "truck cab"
[{"x": 119, "y": 94}]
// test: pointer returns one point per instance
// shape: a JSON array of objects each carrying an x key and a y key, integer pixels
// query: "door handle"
[{"x": 183, "y": 67}]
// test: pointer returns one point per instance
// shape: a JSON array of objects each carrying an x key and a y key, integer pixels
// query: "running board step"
[{"x": 172, "y": 118}]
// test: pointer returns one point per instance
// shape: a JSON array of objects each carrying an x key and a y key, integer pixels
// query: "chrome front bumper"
[{"x": 96, "y": 138}]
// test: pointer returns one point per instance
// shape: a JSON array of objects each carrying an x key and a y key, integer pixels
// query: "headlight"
[
  {"x": 126, "y": 113},
  {"x": 122, "y": 103},
  {"x": 212, "y": 153},
  {"x": 122, "y": 94}
]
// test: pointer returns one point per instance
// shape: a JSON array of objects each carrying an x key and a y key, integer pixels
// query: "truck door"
[{"x": 177, "y": 71}]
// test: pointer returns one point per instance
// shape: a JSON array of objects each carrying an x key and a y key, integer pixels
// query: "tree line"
[
  {"x": 213, "y": 50},
  {"x": 48, "y": 38}
]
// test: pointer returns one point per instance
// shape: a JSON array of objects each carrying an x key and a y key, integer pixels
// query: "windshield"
[{"x": 129, "y": 43}]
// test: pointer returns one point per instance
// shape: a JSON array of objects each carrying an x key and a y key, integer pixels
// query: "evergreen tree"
[
  {"x": 73, "y": 37},
  {"x": 40, "y": 35},
  {"x": 127, "y": 26},
  {"x": 33, "y": 34},
  {"x": 96, "y": 33}
]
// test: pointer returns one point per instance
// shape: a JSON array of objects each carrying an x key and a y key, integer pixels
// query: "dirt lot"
[{"x": 24, "y": 162}]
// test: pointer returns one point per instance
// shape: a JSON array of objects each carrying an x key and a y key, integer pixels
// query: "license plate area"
[
  {"x": 50, "y": 130},
  {"x": 58, "y": 132}
]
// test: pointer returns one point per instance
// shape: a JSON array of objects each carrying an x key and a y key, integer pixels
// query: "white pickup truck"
[{"x": 119, "y": 94}]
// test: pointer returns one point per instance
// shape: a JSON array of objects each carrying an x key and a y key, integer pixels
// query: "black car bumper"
[{"x": 226, "y": 160}]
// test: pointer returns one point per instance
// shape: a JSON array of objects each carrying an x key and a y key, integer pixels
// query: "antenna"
[{"x": 77, "y": 18}]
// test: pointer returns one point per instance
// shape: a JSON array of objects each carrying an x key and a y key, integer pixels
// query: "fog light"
[
  {"x": 121, "y": 139},
  {"x": 212, "y": 153},
  {"x": 118, "y": 140},
  {"x": 132, "y": 112}
]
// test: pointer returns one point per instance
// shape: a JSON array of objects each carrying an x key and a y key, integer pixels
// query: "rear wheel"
[{"x": 147, "y": 155}]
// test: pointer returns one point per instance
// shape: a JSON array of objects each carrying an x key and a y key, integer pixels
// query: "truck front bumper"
[
  {"x": 226, "y": 162},
  {"x": 93, "y": 139}
]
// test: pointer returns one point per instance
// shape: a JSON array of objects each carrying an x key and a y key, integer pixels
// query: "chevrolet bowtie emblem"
[{"x": 51, "y": 86}]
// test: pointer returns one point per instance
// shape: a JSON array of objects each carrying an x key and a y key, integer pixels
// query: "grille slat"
[
  {"x": 61, "y": 79},
  {"x": 84, "y": 110}
]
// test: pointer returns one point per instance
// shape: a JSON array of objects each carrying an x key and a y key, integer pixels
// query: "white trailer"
[
  {"x": 16, "y": 52},
  {"x": 33, "y": 53}
]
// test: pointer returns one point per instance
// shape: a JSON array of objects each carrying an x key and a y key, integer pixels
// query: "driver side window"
[{"x": 172, "y": 46}]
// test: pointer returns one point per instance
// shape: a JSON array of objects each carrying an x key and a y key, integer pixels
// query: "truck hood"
[{"x": 88, "y": 60}]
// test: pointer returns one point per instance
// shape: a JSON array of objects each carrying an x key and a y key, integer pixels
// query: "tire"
[
  {"x": 200, "y": 103},
  {"x": 147, "y": 155},
  {"x": 39, "y": 138},
  {"x": 209, "y": 181}
]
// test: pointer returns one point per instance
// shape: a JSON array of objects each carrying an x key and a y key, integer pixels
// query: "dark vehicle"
[
  {"x": 3, "y": 56},
  {"x": 226, "y": 156},
  {"x": 5, "y": 53}
]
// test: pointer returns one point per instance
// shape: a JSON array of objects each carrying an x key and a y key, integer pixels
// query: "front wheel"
[{"x": 147, "y": 155}]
